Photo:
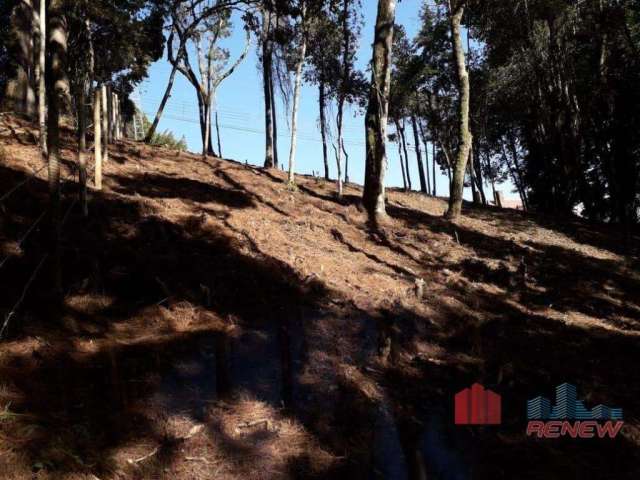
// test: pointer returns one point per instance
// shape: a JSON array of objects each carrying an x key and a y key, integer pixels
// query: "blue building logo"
[
  {"x": 569, "y": 416},
  {"x": 568, "y": 407}
]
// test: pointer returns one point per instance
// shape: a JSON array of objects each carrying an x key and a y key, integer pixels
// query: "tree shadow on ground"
[
  {"x": 162, "y": 186},
  {"x": 188, "y": 318},
  {"x": 549, "y": 275}
]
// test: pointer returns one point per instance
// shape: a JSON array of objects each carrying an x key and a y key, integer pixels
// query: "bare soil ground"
[{"x": 218, "y": 324}]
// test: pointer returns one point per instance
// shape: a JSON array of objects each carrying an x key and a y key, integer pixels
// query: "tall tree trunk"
[
  {"x": 32, "y": 64},
  {"x": 108, "y": 105},
  {"x": 116, "y": 116},
  {"x": 165, "y": 98},
  {"x": 97, "y": 136},
  {"x": 201, "y": 115},
  {"x": 346, "y": 163},
  {"x": 404, "y": 176},
  {"x": 218, "y": 134},
  {"x": 206, "y": 136},
  {"x": 476, "y": 167},
  {"x": 425, "y": 141},
  {"x": 377, "y": 111},
  {"x": 41, "y": 65},
  {"x": 342, "y": 95},
  {"x": 457, "y": 187},
  {"x": 82, "y": 145},
  {"x": 416, "y": 141},
  {"x": 406, "y": 153},
  {"x": 20, "y": 93},
  {"x": 274, "y": 114},
  {"x": 58, "y": 92},
  {"x": 210, "y": 150},
  {"x": 269, "y": 161},
  {"x": 105, "y": 125},
  {"x": 339, "y": 166},
  {"x": 322, "y": 105},
  {"x": 433, "y": 163},
  {"x": 339, "y": 119},
  {"x": 296, "y": 98},
  {"x": 474, "y": 192}
]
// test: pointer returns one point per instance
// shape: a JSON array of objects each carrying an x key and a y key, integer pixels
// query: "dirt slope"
[{"x": 218, "y": 324}]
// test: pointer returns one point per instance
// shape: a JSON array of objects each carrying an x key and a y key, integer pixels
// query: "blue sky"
[{"x": 241, "y": 110}]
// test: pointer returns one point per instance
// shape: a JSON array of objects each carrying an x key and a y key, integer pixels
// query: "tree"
[
  {"x": 456, "y": 10},
  {"x": 58, "y": 95},
  {"x": 377, "y": 112},
  {"x": 302, "y": 34},
  {"x": 41, "y": 18},
  {"x": 324, "y": 67},
  {"x": 203, "y": 26}
]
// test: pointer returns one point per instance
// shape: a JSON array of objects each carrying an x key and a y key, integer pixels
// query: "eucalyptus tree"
[
  {"x": 377, "y": 113},
  {"x": 203, "y": 25},
  {"x": 324, "y": 68},
  {"x": 465, "y": 139},
  {"x": 58, "y": 94},
  {"x": 302, "y": 37}
]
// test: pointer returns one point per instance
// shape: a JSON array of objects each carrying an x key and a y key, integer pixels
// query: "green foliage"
[{"x": 165, "y": 139}]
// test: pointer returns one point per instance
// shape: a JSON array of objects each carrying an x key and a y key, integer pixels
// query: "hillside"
[{"x": 218, "y": 324}]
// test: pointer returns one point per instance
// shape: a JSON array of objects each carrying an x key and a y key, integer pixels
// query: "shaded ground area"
[{"x": 217, "y": 324}]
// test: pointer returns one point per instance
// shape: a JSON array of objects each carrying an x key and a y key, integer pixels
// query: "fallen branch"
[{"x": 142, "y": 459}]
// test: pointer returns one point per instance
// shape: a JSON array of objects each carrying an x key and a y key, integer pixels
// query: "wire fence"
[{"x": 70, "y": 175}]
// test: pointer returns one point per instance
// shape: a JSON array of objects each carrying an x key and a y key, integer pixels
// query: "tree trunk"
[
  {"x": 82, "y": 146},
  {"x": 163, "y": 103},
  {"x": 462, "y": 77},
  {"x": 42, "y": 100},
  {"x": 346, "y": 163},
  {"x": 58, "y": 93},
  {"x": 416, "y": 141},
  {"x": 377, "y": 111},
  {"x": 339, "y": 166},
  {"x": 19, "y": 94},
  {"x": 344, "y": 85},
  {"x": 218, "y": 135},
  {"x": 116, "y": 117},
  {"x": 323, "y": 126},
  {"x": 266, "y": 80},
  {"x": 274, "y": 114},
  {"x": 105, "y": 125},
  {"x": 433, "y": 163},
  {"x": 476, "y": 167},
  {"x": 406, "y": 154},
  {"x": 210, "y": 150},
  {"x": 97, "y": 137},
  {"x": 404, "y": 177},
  {"x": 296, "y": 98},
  {"x": 423, "y": 135},
  {"x": 108, "y": 106},
  {"x": 206, "y": 139},
  {"x": 474, "y": 192}
]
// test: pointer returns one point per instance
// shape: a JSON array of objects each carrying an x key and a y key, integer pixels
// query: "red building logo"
[{"x": 477, "y": 406}]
